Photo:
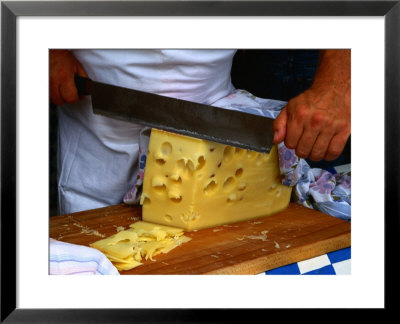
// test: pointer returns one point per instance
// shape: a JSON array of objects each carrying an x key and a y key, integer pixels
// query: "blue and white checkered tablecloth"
[{"x": 333, "y": 263}]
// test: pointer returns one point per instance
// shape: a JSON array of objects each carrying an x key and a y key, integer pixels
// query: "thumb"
[
  {"x": 279, "y": 126},
  {"x": 80, "y": 70}
]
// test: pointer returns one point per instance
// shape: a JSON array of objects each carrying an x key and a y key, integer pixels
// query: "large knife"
[{"x": 221, "y": 125}]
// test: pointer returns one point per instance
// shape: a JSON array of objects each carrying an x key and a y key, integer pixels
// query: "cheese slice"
[
  {"x": 192, "y": 183},
  {"x": 126, "y": 249}
]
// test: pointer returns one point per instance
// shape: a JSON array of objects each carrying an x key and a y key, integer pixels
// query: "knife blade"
[{"x": 230, "y": 127}]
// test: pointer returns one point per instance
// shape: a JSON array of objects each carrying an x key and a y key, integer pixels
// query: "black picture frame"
[{"x": 10, "y": 10}]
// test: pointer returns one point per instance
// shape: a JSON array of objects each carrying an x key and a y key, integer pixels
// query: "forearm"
[{"x": 333, "y": 71}]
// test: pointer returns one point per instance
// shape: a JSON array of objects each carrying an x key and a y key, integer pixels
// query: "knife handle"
[{"x": 83, "y": 85}]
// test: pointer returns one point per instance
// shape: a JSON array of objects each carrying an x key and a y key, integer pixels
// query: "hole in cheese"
[
  {"x": 261, "y": 158},
  {"x": 239, "y": 172},
  {"x": 185, "y": 165},
  {"x": 190, "y": 165},
  {"x": 190, "y": 217},
  {"x": 160, "y": 161},
  {"x": 251, "y": 154},
  {"x": 229, "y": 184},
  {"x": 176, "y": 179},
  {"x": 239, "y": 151},
  {"x": 168, "y": 217},
  {"x": 123, "y": 241},
  {"x": 228, "y": 153},
  {"x": 242, "y": 186},
  {"x": 144, "y": 200},
  {"x": 166, "y": 148},
  {"x": 181, "y": 164},
  {"x": 211, "y": 187},
  {"x": 232, "y": 197},
  {"x": 176, "y": 199},
  {"x": 201, "y": 162},
  {"x": 160, "y": 188},
  {"x": 158, "y": 183}
]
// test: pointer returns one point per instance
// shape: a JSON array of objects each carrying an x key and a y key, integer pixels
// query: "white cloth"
[
  {"x": 98, "y": 156},
  {"x": 72, "y": 259}
]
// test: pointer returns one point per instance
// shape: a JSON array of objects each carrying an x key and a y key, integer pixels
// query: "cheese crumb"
[
  {"x": 257, "y": 237},
  {"x": 89, "y": 231}
]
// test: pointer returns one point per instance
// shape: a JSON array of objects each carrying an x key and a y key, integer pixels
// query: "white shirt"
[{"x": 98, "y": 156}]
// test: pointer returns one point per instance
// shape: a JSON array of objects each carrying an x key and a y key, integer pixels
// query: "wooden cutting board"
[{"x": 249, "y": 247}]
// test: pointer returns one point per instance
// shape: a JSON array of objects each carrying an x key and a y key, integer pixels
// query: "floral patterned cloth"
[
  {"x": 314, "y": 188},
  {"x": 132, "y": 197}
]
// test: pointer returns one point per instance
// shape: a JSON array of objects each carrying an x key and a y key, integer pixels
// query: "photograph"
[{"x": 237, "y": 153}]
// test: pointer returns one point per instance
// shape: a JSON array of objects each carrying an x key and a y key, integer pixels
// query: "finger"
[
  {"x": 54, "y": 89},
  {"x": 321, "y": 145},
  {"x": 55, "y": 96},
  {"x": 69, "y": 92},
  {"x": 336, "y": 147},
  {"x": 306, "y": 143},
  {"x": 81, "y": 71},
  {"x": 279, "y": 126},
  {"x": 294, "y": 130}
]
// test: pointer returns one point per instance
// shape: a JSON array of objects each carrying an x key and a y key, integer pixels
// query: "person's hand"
[
  {"x": 317, "y": 123},
  {"x": 63, "y": 66}
]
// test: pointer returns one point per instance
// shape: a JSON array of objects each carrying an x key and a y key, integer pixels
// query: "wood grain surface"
[{"x": 249, "y": 247}]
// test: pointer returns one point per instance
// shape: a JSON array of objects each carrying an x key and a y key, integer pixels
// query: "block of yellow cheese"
[{"x": 193, "y": 184}]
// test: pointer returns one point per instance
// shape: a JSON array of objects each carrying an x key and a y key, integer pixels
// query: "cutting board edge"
[{"x": 269, "y": 262}]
